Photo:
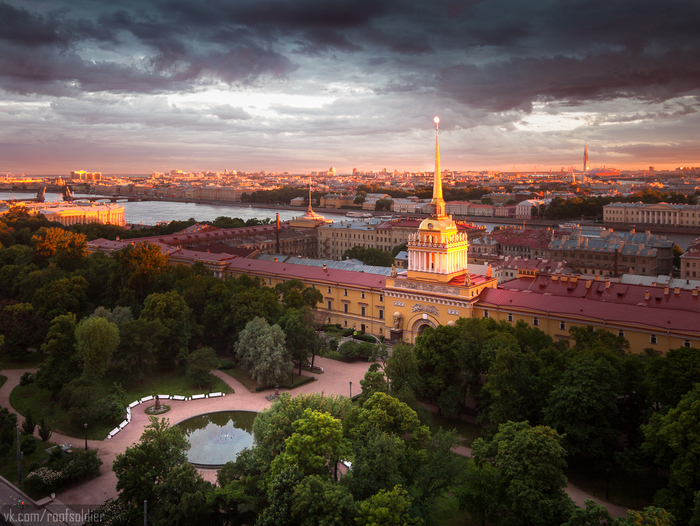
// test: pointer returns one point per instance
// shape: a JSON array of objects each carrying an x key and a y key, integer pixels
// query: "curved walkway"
[{"x": 334, "y": 381}]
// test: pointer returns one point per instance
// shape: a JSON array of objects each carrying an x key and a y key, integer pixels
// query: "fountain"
[{"x": 217, "y": 437}]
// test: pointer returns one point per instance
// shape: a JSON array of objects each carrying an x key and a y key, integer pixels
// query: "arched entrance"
[{"x": 420, "y": 325}]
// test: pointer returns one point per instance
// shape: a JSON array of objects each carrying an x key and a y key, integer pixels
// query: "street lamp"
[
  {"x": 350, "y": 389},
  {"x": 85, "y": 426}
]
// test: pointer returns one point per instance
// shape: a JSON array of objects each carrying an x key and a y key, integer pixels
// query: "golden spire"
[{"x": 438, "y": 201}]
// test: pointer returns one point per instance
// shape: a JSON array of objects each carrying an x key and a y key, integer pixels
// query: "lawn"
[
  {"x": 250, "y": 384},
  {"x": 334, "y": 355},
  {"x": 467, "y": 431},
  {"x": 447, "y": 513},
  {"x": 631, "y": 491},
  {"x": 38, "y": 400},
  {"x": 29, "y": 361},
  {"x": 3, "y": 379}
]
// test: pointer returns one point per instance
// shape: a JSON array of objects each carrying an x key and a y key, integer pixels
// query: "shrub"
[
  {"x": 26, "y": 379},
  {"x": 348, "y": 332},
  {"x": 350, "y": 350},
  {"x": 79, "y": 465},
  {"x": 227, "y": 364},
  {"x": 44, "y": 430},
  {"x": 27, "y": 444},
  {"x": 333, "y": 344},
  {"x": 364, "y": 337},
  {"x": 43, "y": 480},
  {"x": 29, "y": 424}
]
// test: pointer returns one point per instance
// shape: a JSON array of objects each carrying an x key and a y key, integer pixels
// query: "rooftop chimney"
[
  {"x": 646, "y": 295},
  {"x": 677, "y": 290},
  {"x": 666, "y": 290}
]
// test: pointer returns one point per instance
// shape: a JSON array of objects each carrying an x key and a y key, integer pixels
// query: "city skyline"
[{"x": 135, "y": 87}]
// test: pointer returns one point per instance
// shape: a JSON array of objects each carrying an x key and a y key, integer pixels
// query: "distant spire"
[
  {"x": 309, "y": 209},
  {"x": 585, "y": 157},
  {"x": 438, "y": 201}
]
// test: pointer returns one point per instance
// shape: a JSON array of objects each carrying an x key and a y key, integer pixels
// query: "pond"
[{"x": 218, "y": 437}]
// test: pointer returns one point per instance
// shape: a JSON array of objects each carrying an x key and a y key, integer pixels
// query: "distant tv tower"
[{"x": 585, "y": 158}]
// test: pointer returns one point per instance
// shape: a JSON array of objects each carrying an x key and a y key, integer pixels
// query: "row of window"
[
  {"x": 346, "y": 309},
  {"x": 562, "y": 326}
]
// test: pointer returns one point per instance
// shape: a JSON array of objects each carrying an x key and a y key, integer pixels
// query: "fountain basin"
[{"x": 217, "y": 437}]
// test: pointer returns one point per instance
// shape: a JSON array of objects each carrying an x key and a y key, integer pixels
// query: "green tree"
[
  {"x": 118, "y": 315},
  {"x": 671, "y": 376},
  {"x": 184, "y": 499},
  {"x": 176, "y": 318},
  {"x": 61, "y": 297},
  {"x": 299, "y": 335},
  {"x": 374, "y": 381},
  {"x": 384, "y": 205},
  {"x": 389, "y": 415},
  {"x": 200, "y": 364},
  {"x": 29, "y": 425},
  {"x": 318, "y": 501},
  {"x": 369, "y": 256},
  {"x": 139, "y": 269},
  {"x": 583, "y": 408},
  {"x": 380, "y": 462},
  {"x": 62, "y": 363},
  {"x": 8, "y": 425},
  {"x": 673, "y": 439},
  {"x": 593, "y": 514},
  {"x": 315, "y": 446},
  {"x": 69, "y": 250},
  {"x": 261, "y": 351},
  {"x": 480, "y": 493},
  {"x": 437, "y": 352},
  {"x": 274, "y": 425},
  {"x": 23, "y": 328},
  {"x": 143, "y": 467},
  {"x": 531, "y": 462},
  {"x": 387, "y": 508},
  {"x": 402, "y": 369},
  {"x": 508, "y": 382},
  {"x": 96, "y": 340},
  {"x": 280, "y": 494},
  {"x": 139, "y": 343}
]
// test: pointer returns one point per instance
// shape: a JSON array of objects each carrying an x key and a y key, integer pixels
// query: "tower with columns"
[{"x": 437, "y": 252}]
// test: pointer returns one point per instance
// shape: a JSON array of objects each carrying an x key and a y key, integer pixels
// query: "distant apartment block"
[
  {"x": 690, "y": 261},
  {"x": 79, "y": 213},
  {"x": 654, "y": 214},
  {"x": 337, "y": 201},
  {"x": 598, "y": 251}
]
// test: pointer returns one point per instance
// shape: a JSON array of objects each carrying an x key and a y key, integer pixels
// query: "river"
[{"x": 153, "y": 212}]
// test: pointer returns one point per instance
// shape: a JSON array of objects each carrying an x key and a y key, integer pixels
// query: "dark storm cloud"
[
  {"x": 25, "y": 28},
  {"x": 499, "y": 55},
  {"x": 519, "y": 82}
]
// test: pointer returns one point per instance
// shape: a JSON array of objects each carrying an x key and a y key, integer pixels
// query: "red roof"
[
  {"x": 287, "y": 271},
  {"x": 678, "y": 312}
]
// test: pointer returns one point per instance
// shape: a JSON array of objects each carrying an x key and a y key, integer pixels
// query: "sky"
[{"x": 136, "y": 86}]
